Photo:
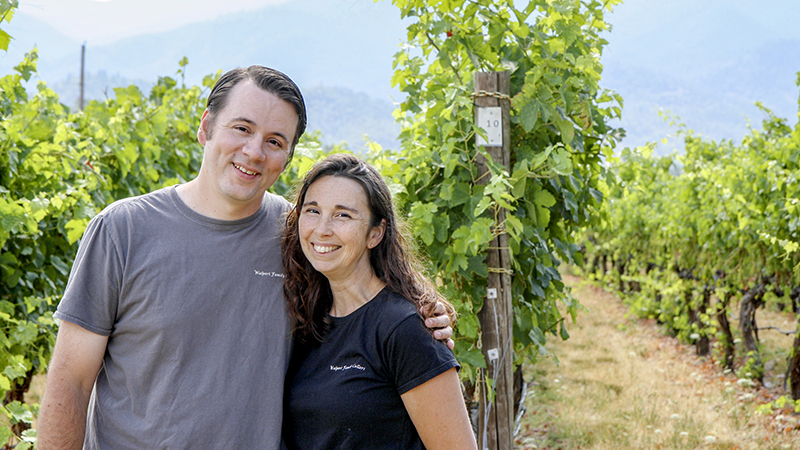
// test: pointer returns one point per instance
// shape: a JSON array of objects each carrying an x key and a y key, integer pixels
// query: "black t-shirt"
[{"x": 345, "y": 392}]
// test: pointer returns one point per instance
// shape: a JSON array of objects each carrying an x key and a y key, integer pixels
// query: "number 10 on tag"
[{"x": 490, "y": 119}]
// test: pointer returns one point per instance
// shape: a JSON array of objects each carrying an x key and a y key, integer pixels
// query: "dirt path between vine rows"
[{"x": 622, "y": 384}]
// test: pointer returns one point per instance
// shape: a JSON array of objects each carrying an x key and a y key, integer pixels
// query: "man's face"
[{"x": 247, "y": 149}]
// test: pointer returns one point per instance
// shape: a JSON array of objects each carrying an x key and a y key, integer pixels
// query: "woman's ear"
[{"x": 376, "y": 234}]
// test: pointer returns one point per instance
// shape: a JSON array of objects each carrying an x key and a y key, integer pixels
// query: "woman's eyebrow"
[{"x": 344, "y": 207}]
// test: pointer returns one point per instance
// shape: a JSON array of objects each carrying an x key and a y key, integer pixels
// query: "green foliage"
[
  {"x": 41, "y": 194},
  {"x": 58, "y": 168},
  {"x": 559, "y": 132},
  {"x": 7, "y": 8},
  {"x": 783, "y": 402},
  {"x": 720, "y": 218},
  {"x": 751, "y": 370}
]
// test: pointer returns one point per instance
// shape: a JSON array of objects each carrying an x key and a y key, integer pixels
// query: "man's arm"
[
  {"x": 76, "y": 361},
  {"x": 439, "y": 321}
]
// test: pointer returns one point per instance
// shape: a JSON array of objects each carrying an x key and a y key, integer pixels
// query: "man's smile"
[{"x": 243, "y": 170}]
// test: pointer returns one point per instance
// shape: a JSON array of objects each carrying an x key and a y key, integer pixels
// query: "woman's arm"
[{"x": 437, "y": 409}]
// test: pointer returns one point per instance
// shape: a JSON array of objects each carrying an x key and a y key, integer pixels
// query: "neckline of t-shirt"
[
  {"x": 210, "y": 222},
  {"x": 360, "y": 310}
]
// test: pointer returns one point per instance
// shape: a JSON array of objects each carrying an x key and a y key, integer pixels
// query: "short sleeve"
[
  {"x": 414, "y": 356},
  {"x": 91, "y": 296}
]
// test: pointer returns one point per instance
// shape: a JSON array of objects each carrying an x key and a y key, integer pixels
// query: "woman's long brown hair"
[{"x": 308, "y": 291}]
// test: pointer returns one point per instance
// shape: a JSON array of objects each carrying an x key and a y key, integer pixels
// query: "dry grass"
[{"x": 622, "y": 384}]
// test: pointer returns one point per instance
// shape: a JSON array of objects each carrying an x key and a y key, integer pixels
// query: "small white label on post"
[
  {"x": 491, "y": 293},
  {"x": 494, "y": 355},
  {"x": 491, "y": 120}
]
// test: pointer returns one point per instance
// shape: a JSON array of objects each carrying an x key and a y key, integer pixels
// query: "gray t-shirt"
[{"x": 199, "y": 335}]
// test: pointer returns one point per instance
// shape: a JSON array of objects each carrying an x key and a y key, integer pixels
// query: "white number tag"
[{"x": 490, "y": 119}]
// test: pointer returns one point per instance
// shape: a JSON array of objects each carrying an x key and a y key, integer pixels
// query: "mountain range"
[
  {"x": 338, "y": 52},
  {"x": 704, "y": 64}
]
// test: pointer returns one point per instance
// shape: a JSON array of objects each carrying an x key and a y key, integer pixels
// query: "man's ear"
[{"x": 202, "y": 130}]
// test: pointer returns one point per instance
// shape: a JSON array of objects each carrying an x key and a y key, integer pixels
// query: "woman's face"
[{"x": 335, "y": 228}]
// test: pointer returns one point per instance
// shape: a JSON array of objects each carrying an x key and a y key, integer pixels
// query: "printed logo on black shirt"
[{"x": 347, "y": 367}]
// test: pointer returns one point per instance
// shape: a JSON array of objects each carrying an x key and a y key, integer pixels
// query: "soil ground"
[{"x": 621, "y": 383}]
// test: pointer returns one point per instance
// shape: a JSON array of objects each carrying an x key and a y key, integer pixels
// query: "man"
[{"x": 174, "y": 331}]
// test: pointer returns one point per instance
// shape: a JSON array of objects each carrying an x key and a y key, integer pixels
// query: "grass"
[{"x": 622, "y": 384}]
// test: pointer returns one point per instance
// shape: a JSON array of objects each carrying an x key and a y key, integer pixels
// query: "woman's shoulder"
[
  {"x": 394, "y": 305},
  {"x": 386, "y": 311},
  {"x": 391, "y": 313}
]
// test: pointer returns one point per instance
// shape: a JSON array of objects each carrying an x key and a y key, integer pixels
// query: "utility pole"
[
  {"x": 83, "y": 58},
  {"x": 496, "y": 418}
]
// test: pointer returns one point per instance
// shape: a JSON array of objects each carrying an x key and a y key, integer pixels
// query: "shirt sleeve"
[
  {"x": 91, "y": 296},
  {"x": 415, "y": 356}
]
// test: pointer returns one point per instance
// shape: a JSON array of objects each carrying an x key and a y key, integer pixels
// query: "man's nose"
[{"x": 254, "y": 148}]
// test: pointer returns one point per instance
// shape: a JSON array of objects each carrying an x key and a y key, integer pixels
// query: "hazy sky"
[{"x": 102, "y": 21}]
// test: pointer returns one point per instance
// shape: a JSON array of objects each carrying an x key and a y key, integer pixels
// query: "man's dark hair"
[{"x": 270, "y": 80}]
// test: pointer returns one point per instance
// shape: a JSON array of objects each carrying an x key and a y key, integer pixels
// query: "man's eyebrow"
[
  {"x": 243, "y": 119},
  {"x": 253, "y": 123}
]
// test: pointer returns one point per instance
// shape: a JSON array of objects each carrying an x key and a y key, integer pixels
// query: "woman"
[{"x": 365, "y": 373}]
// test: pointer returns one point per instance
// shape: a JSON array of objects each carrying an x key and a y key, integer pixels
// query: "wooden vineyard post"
[
  {"x": 496, "y": 412},
  {"x": 794, "y": 365}
]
